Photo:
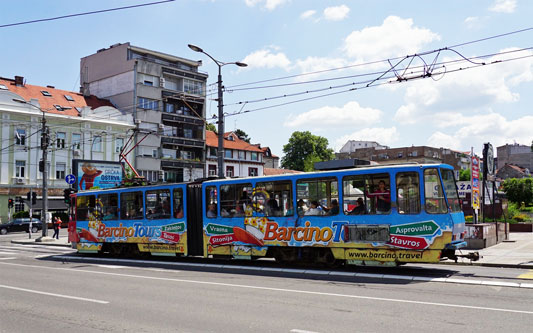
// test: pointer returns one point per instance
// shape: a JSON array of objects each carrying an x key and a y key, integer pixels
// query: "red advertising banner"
[
  {"x": 170, "y": 236},
  {"x": 223, "y": 239},
  {"x": 475, "y": 181},
  {"x": 408, "y": 242}
]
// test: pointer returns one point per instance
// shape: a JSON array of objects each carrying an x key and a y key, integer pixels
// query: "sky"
[{"x": 344, "y": 70}]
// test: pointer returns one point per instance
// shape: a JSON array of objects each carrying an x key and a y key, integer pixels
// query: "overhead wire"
[{"x": 85, "y": 13}]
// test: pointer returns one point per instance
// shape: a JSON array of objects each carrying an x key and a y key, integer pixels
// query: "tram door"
[{"x": 194, "y": 220}]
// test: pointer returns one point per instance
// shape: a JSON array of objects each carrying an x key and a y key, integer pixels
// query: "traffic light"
[
  {"x": 10, "y": 203},
  {"x": 41, "y": 166},
  {"x": 33, "y": 198},
  {"x": 66, "y": 193},
  {"x": 28, "y": 196}
]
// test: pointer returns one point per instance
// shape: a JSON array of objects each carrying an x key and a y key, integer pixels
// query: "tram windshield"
[{"x": 451, "y": 190}]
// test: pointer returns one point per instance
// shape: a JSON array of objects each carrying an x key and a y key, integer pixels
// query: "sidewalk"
[
  {"x": 47, "y": 241},
  {"x": 515, "y": 252}
]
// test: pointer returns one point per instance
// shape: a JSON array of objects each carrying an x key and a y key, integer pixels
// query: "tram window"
[
  {"x": 131, "y": 206},
  {"x": 211, "y": 201},
  {"x": 408, "y": 193},
  {"x": 85, "y": 206},
  {"x": 366, "y": 194},
  {"x": 317, "y": 197},
  {"x": 234, "y": 199},
  {"x": 451, "y": 189},
  {"x": 109, "y": 205},
  {"x": 178, "y": 203},
  {"x": 274, "y": 198},
  {"x": 157, "y": 204},
  {"x": 434, "y": 197}
]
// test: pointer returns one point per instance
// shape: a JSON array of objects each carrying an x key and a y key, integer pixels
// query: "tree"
[
  {"x": 242, "y": 135},
  {"x": 303, "y": 150},
  {"x": 464, "y": 175},
  {"x": 210, "y": 127},
  {"x": 519, "y": 190}
]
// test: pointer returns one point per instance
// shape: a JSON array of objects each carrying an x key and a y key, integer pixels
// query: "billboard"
[{"x": 96, "y": 174}]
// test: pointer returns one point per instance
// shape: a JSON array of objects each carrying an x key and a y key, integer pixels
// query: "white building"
[
  {"x": 353, "y": 145},
  {"x": 241, "y": 158},
  {"x": 80, "y": 127}
]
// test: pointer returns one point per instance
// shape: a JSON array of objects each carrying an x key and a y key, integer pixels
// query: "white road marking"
[
  {"x": 313, "y": 272},
  {"x": 53, "y": 294},
  {"x": 284, "y": 290},
  {"x": 9, "y": 258},
  {"x": 295, "y": 330}
]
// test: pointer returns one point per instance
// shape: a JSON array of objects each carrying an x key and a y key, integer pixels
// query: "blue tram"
[{"x": 386, "y": 215}]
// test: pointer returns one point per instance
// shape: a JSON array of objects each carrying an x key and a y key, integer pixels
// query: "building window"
[
  {"x": 252, "y": 172},
  {"x": 60, "y": 170},
  {"x": 192, "y": 87},
  {"x": 60, "y": 139},
  {"x": 228, "y": 153},
  {"x": 187, "y": 155},
  {"x": 187, "y": 133},
  {"x": 229, "y": 171},
  {"x": 69, "y": 98},
  {"x": 119, "y": 144},
  {"x": 170, "y": 108},
  {"x": 20, "y": 169},
  {"x": 254, "y": 156},
  {"x": 150, "y": 104},
  {"x": 46, "y": 93},
  {"x": 212, "y": 170},
  {"x": 212, "y": 151},
  {"x": 148, "y": 83},
  {"x": 20, "y": 137},
  {"x": 242, "y": 155},
  {"x": 76, "y": 140},
  {"x": 97, "y": 144}
]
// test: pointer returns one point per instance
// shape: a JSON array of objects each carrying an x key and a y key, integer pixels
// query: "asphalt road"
[{"x": 42, "y": 291}]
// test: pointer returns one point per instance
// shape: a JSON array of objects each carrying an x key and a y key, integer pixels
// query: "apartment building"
[
  {"x": 516, "y": 154},
  {"x": 80, "y": 127},
  {"x": 241, "y": 159},
  {"x": 166, "y": 96}
]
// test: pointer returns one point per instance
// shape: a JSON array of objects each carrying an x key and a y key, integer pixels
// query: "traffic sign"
[
  {"x": 426, "y": 228},
  {"x": 70, "y": 179}
]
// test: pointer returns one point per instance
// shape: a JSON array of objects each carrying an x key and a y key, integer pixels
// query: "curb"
[
  {"x": 521, "y": 285},
  {"x": 33, "y": 242},
  {"x": 487, "y": 264}
]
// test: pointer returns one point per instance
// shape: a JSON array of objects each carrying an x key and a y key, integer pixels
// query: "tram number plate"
[{"x": 367, "y": 233}]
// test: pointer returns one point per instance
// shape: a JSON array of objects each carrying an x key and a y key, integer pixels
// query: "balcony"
[
  {"x": 181, "y": 163},
  {"x": 195, "y": 143},
  {"x": 181, "y": 119}
]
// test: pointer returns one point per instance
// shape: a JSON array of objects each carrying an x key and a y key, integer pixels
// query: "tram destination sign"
[{"x": 426, "y": 228}]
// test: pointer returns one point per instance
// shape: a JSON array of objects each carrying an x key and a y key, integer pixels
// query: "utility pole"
[{"x": 44, "y": 148}]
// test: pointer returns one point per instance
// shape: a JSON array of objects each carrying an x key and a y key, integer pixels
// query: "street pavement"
[{"x": 516, "y": 252}]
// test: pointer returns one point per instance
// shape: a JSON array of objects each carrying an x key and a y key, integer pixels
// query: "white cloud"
[
  {"x": 467, "y": 91},
  {"x": 489, "y": 127},
  {"x": 351, "y": 114},
  {"x": 503, "y": 6},
  {"x": 268, "y": 4},
  {"x": 316, "y": 64},
  {"x": 337, "y": 13},
  {"x": 307, "y": 14},
  {"x": 265, "y": 58},
  {"x": 395, "y": 37},
  {"x": 384, "y": 136}
]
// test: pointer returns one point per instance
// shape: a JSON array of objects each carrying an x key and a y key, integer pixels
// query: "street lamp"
[
  {"x": 44, "y": 148},
  {"x": 220, "y": 152}
]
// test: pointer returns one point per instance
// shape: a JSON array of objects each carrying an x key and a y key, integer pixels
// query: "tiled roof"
[
  {"x": 211, "y": 140},
  {"x": 28, "y": 91},
  {"x": 273, "y": 172},
  {"x": 265, "y": 149}
]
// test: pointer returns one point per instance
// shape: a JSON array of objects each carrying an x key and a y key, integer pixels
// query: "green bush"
[
  {"x": 22, "y": 214},
  {"x": 521, "y": 218}
]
